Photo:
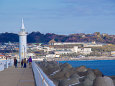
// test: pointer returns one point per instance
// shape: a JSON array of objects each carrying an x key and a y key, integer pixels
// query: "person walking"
[
  {"x": 24, "y": 61},
  {"x": 15, "y": 62},
  {"x": 30, "y": 61}
]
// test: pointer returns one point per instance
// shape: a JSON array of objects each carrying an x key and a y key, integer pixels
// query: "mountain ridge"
[{"x": 37, "y": 37}]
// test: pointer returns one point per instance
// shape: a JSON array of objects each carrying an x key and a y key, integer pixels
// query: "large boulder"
[
  {"x": 91, "y": 75},
  {"x": 97, "y": 73},
  {"x": 63, "y": 74},
  {"x": 88, "y": 82},
  {"x": 69, "y": 82},
  {"x": 65, "y": 67},
  {"x": 60, "y": 75},
  {"x": 89, "y": 78},
  {"x": 81, "y": 69},
  {"x": 103, "y": 81},
  {"x": 49, "y": 67},
  {"x": 81, "y": 74},
  {"x": 74, "y": 76}
]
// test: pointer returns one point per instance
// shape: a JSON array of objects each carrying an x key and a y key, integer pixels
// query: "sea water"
[{"x": 107, "y": 67}]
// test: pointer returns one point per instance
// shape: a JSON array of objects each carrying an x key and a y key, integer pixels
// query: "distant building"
[
  {"x": 93, "y": 45},
  {"x": 63, "y": 52},
  {"x": 67, "y": 43},
  {"x": 52, "y": 55},
  {"x": 52, "y": 42},
  {"x": 2, "y": 57},
  {"x": 88, "y": 44},
  {"x": 112, "y": 53},
  {"x": 82, "y": 50}
]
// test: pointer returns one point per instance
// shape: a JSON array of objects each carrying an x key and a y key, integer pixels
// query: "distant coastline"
[{"x": 83, "y": 58}]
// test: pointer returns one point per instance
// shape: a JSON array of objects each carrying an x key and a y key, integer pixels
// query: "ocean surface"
[{"x": 107, "y": 67}]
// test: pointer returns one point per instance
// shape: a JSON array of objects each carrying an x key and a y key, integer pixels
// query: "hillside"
[{"x": 37, "y": 37}]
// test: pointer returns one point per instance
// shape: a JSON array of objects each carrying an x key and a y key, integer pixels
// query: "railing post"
[
  {"x": 6, "y": 63},
  {"x": 1, "y": 66}
]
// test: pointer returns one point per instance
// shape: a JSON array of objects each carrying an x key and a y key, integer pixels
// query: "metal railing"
[
  {"x": 5, "y": 64},
  {"x": 41, "y": 78}
]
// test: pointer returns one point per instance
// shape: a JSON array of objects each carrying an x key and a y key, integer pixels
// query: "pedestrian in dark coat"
[
  {"x": 22, "y": 62},
  {"x": 15, "y": 62}
]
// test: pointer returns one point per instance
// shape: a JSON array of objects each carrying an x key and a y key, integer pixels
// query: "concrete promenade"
[{"x": 17, "y": 77}]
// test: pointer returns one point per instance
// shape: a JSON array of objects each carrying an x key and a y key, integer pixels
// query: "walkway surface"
[{"x": 17, "y": 77}]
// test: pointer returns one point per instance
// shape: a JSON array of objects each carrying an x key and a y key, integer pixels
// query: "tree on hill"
[{"x": 6, "y": 37}]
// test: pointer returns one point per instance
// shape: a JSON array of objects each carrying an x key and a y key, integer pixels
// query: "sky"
[{"x": 58, "y": 16}]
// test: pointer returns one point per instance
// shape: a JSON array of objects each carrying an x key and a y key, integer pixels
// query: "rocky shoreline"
[{"x": 66, "y": 75}]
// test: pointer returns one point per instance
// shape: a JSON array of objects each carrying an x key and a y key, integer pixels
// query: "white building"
[
  {"x": 22, "y": 42},
  {"x": 82, "y": 50},
  {"x": 67, "y": 43},
  {"x": 47, "y": 49},
  {"x": 2, "y": 57},
  {"x": 112, "y": 53},
  {"x": 52, "y": 55},
  {"x": 63, "y": 52},
  {"x": 90, "y": 44},
  {"x": 93, "y": 45}
]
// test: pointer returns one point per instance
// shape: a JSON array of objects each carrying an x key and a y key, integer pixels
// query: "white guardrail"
[
  {"x": 6, "y": 63},
  {"x": 41, "y": 78}
]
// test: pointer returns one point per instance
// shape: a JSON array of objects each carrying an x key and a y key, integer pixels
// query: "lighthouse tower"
[{"x": 22, "y": 42}]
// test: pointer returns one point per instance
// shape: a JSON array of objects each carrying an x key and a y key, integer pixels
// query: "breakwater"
[{"x": 63, "y": 74}]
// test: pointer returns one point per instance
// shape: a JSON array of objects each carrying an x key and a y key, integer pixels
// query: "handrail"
[
  {"x": 40, "y": 77},
  {"x": 5, "y": 64}
]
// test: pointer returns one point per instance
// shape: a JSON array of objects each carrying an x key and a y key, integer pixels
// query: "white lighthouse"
[{"x": 22, "y": 42}]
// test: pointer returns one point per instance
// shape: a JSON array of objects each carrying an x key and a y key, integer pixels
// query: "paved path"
[{"x": 17, "y": 77}]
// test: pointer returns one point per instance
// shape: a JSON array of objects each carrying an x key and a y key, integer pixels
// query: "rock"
[
  {"x": 97, "y": 73},
  {"x": 88, "y": 82},
  {"x": 59, "y": 76},
  {"x": 56, "y": 82},
  {"x": 81, "y": 69},
  {"x": 82, "y": 73},
  {"x": 63, "y": 74},
  {"x": 89, "y": 78},
  {"x": 65, "y": 67},
  {"x": 82, "y": 79},
  {"x": 66, "y": 75},
  {"x": 103, "y": 81},
  {"x": 49, "y": 67},
  {"x": 75, "y": 76},
  {"x": 113, "y": 78},
  {"x": 91, "y": 75},
  {"x": 80, "y": 84},
  {"x": 68, "y": 82}
]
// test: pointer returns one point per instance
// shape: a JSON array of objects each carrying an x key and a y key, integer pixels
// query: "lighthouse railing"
[{"x": 41, "y": 78}]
